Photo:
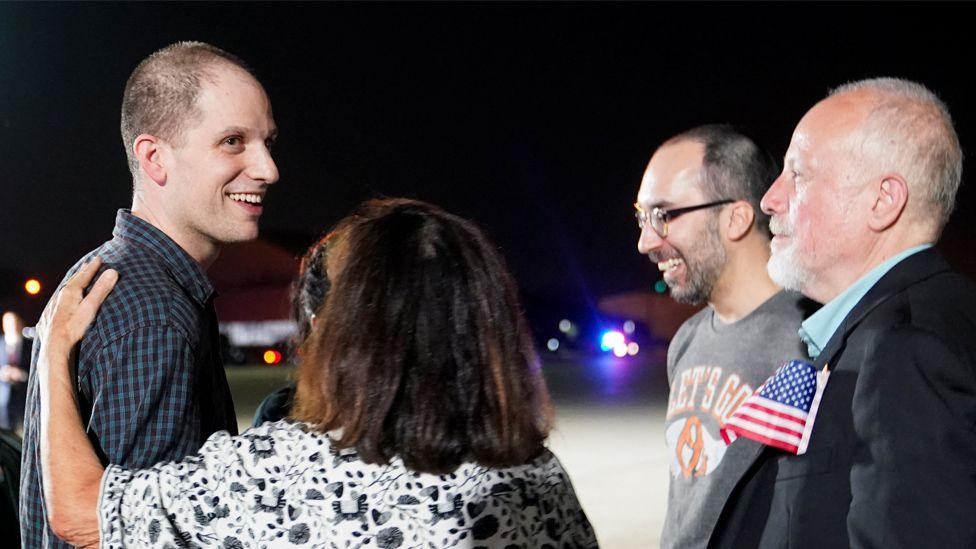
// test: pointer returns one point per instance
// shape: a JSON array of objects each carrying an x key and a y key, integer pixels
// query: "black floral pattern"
[
  {"x": 262, "y": 447},
  {"x": 485, "y": 527},
  {"x": 271, "y": 487},
  {"x": 351, "y": 509},
  {"x": 389, "y": 538},
  {"x": 299, "y": 534}
]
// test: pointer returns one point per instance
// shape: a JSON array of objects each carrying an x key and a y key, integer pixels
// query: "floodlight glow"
[
  {"x": 611, "y": 339},
  {"x": 620, "y": 350},
  {"x": 629, "y": 327},
  {"x": 565, "y": 325},
  {"x": 552, "y": 344},
  {"x": 632, "y": 348},
  {"x": 32, "y": 286}
]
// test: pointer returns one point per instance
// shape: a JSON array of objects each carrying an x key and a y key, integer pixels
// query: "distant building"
[
  {"x": 660, "y": 314},
  {"x": 253, "y": 280}
]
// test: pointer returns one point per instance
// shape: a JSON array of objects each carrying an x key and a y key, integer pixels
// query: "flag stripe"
[
  {"x": 777, "y": 408},
  {"x": 822, "y": 376},
  {"x": 760, "y": 411},
  {"x": 770, "y": 442},
  {"x": 743, "y": 427},
  {"x": 777, "y": 413},
  {"x": 728, "y": 435},
  {"x": 774, "y": 423}
]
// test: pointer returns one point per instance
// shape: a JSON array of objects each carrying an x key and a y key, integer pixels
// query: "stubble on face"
[
  {"x": 225, "y": 155},
  {"x": 673, "y": 179},
  {"x": 703, "y": 265}
]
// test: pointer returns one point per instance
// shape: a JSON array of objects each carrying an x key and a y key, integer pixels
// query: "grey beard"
[{"x": 786, "y": 274}]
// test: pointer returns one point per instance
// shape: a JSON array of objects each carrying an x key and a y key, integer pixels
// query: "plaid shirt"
[{"x": 151, "y": 384}]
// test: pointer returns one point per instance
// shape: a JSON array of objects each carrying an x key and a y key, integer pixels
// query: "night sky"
[{"x": 534, "y": 120}]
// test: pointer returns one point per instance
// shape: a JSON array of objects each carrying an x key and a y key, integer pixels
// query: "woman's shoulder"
[
  {"x": 472, "y": 481},
  {"x": 545, "y": 466},
  {"x": 283, "y": 440},
  {"x": 330, "y": 492}
]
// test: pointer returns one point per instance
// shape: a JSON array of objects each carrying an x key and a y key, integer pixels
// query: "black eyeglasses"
[{"x": 658, "y": 218}]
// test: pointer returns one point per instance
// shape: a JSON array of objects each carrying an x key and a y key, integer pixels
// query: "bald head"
[
  {"x": 876, "y": 162},
  {"x": 904, "y": 128}
]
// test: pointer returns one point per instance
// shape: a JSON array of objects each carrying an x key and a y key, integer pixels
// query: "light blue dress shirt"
[{"x": 817, "y": 330}]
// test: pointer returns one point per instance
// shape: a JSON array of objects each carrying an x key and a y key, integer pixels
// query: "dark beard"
[{"x": 702, "y": 268}]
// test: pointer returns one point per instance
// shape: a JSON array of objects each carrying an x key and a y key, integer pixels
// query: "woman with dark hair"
[
  {"x": 307, "y": 297},
  {"x": 420, "y": 418}
]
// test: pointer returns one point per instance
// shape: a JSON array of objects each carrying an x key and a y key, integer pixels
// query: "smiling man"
[
  {"x": 197, "y": 129},
  {"x": 698, "y": 211},
  {"x": 869, "y": 182}
]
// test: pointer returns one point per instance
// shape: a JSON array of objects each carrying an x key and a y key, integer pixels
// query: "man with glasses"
[
  {"x": 698, "y": 212},
  {"x": 869, "y": 182}
]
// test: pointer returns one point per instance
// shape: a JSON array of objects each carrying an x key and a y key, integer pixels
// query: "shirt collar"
[
  {"x": 817, "y": 330},
  {"x": 180, "y": 265}
]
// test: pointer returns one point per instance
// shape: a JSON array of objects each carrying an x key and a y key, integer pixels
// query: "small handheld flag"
[{"x": 782, "y": 410}]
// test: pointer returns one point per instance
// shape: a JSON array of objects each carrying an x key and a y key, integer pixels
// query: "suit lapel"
[{"x": 912, "y": 269}]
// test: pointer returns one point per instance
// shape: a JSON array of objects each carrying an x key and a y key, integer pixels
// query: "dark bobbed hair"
[
  {"x": 734, "y": 166},
  {"x": 161, "y": 93},
  {"x": 310, "y": 288},
  {"x": 313, "y": 282},
  {"x": 421, "y": 351}
]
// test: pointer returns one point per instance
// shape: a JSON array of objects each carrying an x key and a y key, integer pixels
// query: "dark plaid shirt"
[{"x": 151, "y": 384}]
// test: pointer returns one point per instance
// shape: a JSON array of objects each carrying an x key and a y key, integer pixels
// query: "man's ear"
[
  {"x": 741, "y": 218},
  {"x": 148, "y": 152},
  {"x": 888, "y": 203}
]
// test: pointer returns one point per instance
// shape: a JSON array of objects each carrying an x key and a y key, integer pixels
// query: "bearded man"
[
  {"x": 869, "y": 182},
  {"x": 698, "y": 211}
]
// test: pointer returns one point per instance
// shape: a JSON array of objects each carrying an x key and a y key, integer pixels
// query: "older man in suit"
[{"x": 868, "y": 184}]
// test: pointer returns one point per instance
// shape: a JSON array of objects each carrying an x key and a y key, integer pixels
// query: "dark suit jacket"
[{"x": 892, "y": 456}]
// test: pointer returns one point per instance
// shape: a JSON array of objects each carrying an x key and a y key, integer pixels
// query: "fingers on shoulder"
[
  {"x": 76, "y": 284},
  {"x": 106, "y": 281}
]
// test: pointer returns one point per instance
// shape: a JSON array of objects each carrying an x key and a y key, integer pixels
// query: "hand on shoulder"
[{"x": 73, "y": 311}]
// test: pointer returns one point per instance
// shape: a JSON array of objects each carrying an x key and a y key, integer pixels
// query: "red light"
[{"x": 271, "y": 357}]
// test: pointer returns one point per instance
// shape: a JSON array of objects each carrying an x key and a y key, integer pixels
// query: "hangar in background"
[{"x": 254, "y": 281}]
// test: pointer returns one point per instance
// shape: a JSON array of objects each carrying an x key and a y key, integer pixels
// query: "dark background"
[{"x": 535, "y": 120}]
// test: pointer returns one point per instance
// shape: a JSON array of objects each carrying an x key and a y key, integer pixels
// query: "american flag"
[{"x": 781, "y": 411}]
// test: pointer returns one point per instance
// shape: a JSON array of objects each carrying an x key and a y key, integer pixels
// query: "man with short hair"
[
  {"x": 197, "y": 130},
  {"x": 698, "y": 210},
  {"x": 868, "y": 184}
]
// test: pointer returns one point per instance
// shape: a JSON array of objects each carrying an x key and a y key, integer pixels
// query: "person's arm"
[
  {"x": 275, "y": 406},
  {"x": 561, "y": 507},
  {"x": 71, "y": 470}
]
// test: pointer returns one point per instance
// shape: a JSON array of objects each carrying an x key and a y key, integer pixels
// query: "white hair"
[{"x": 913, "y": 132}]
